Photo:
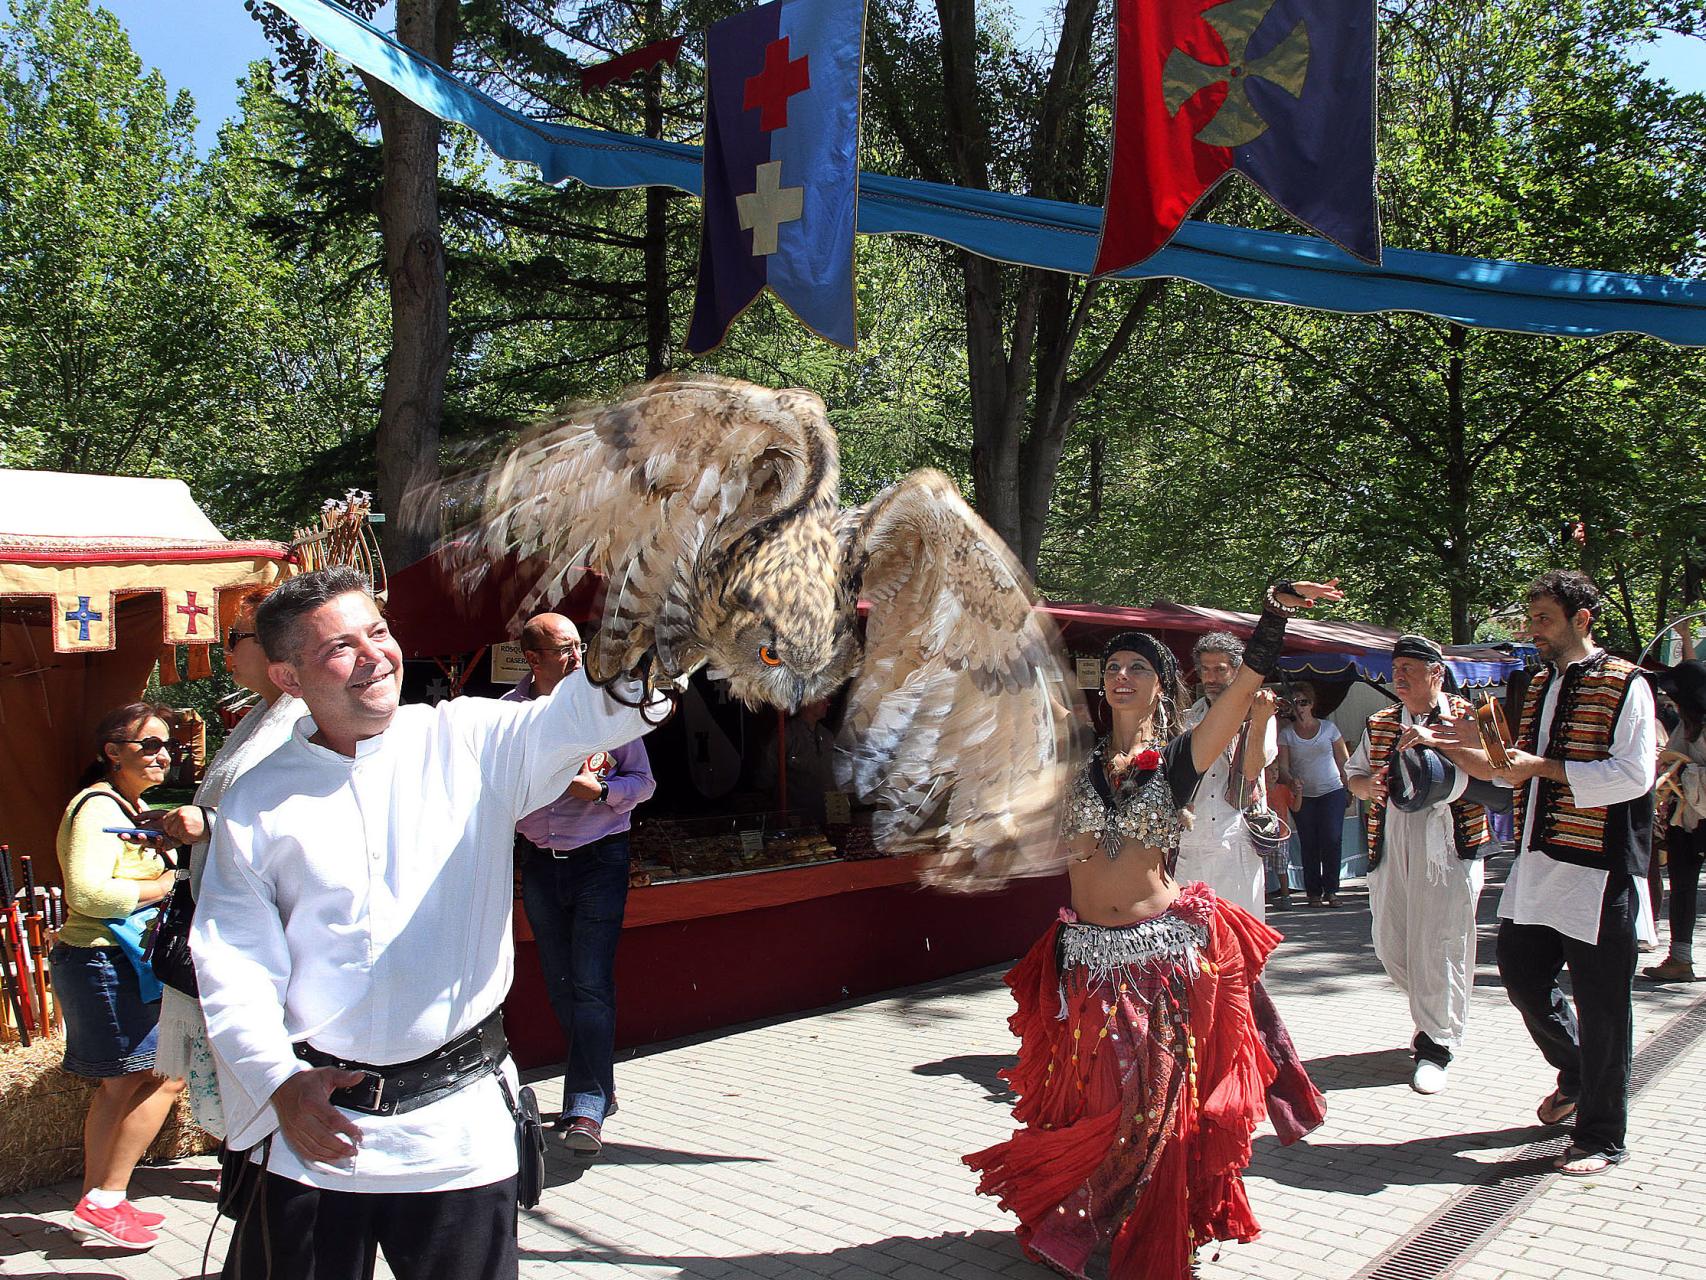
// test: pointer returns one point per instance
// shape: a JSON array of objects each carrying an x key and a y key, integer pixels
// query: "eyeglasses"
[
  {"x": 1131, "y": 670},
  {"x": 234, "y": 637},
  {"x": 153, "y": 746},
  {"x": 573, "y": 647}
]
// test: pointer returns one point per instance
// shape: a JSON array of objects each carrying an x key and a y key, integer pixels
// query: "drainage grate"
[{"x": 1475, "y": 1215}]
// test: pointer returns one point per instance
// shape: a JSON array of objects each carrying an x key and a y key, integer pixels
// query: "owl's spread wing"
[
  {"x": 641, "y": 491},
  {"x": 958, "y": 726}
]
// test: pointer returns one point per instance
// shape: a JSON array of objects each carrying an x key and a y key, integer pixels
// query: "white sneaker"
[{"x": 1429, "y": 1077}]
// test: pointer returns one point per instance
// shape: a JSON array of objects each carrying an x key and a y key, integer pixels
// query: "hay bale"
[{"x": 41, "y": 1120}]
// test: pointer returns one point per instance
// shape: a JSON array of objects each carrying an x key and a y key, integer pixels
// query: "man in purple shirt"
[{"x": 574, "y": 886}]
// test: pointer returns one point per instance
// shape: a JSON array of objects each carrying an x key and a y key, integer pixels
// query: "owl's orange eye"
[{"x": 768, "y": 657}]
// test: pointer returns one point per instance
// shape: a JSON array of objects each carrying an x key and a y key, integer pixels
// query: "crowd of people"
[{"x": 351, "y": 867}]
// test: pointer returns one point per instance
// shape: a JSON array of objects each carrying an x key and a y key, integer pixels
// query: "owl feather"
[{"x": 711, "y": 507}]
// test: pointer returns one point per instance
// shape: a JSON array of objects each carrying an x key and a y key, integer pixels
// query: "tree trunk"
[
  {"x": 658, "y": 352},
  {"x": 1458, "y": 488},
  {"x": 412, "y": 410}
]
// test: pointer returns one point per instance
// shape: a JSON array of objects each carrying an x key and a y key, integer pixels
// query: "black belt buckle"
[{"x": 368, "y": 1096}]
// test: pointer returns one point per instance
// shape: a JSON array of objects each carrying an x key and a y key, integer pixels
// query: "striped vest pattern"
[
  {"x": 1583, "y": 725},
  {"x": 1468, "y": 820}
]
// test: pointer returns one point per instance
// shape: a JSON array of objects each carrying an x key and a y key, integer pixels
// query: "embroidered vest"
[
  {"x": 1591, "y": 697},
  {"x": 1468, "y": 820}
]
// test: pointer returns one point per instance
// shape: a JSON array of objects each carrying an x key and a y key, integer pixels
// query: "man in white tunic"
[
  {"x": 352, "y": 942},
  {"x": 1582, "y": 773},
  {"x": 1217, "y": 848},
  {"x": 1425, "y": 868}
]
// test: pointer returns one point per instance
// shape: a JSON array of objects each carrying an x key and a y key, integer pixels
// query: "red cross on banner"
[
  {"x": 193, "y": 611},
  {"x": 184, "y": 615},
  {"x": 780, "y": 80}
]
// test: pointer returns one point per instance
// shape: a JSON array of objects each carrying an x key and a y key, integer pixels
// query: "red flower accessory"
[{"x": 1147, "y": 759}]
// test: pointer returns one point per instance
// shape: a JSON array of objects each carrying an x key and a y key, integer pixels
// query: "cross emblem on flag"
[
  {"x": 1278, "y": 91},
  {"x": 781, "y": 166},
  {"x": 763, "y": 211},
  {"x": 771, "y": 88}
]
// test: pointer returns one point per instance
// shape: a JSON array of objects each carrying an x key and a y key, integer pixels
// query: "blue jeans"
[
  {"x": 1320, "y": 830},
  {"x": 575, "y": 903}
]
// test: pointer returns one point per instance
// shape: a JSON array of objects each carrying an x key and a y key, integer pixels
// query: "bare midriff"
[{"x": 1118, "y": 891}]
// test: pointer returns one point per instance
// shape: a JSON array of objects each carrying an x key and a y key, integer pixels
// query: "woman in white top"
[
  {"x": 183, "y": 1049},
  {"x": 1312, "y": 759}
]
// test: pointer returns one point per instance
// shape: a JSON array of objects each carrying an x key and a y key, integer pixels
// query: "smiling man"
[
  {"x": 1424, "y": 863},
  {"x": 352, "y": 942}
]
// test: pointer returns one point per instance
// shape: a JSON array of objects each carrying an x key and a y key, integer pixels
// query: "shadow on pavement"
[
  {"x": 980, "y": 1069},
  {"x": 1370, "y": 1069},
  {"x": 1367, "y": 1168},
  {"x": 977, "y": 1252}
]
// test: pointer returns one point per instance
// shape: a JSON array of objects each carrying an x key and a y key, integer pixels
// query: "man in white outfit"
[
  {"x": 352, "y": 942},
  {"x": 1217, "y": 848},
  {"x": 1425, "y": 863}
]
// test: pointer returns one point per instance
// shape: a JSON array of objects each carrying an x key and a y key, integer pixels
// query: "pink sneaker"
[
  {"x": 114, "y": 1226},
  {"x": 146, "y": 1218}
]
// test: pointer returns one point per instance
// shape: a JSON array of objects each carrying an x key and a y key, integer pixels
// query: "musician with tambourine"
[
  {"x": 1426, "y": 842},
  {"x": 1581, "y": 765}
]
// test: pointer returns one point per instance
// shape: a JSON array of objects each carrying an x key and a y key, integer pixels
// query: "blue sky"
[{"x": 206, "y": 45}]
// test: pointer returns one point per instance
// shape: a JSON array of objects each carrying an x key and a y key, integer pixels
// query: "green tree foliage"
[{"x": 1435, "y": 465}]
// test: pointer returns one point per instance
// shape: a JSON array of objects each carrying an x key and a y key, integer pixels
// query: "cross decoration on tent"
[
  {"x": 185, "y": 617},
  {"x": 781, "y": 166},
  {"x": 82, "y": 627}
]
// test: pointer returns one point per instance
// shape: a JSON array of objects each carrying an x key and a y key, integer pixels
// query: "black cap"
[{"x": 1418, "y": 647}]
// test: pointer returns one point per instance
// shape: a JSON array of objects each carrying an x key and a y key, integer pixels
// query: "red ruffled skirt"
[{"x": 1140, "y": 1086}]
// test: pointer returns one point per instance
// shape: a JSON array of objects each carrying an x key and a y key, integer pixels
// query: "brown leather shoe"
[
  {"x": 584, "y": 1136},
  {"x": 1669, "y": 969}
]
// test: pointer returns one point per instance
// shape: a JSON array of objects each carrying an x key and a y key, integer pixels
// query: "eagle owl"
[{"x": 712, "y": 508}]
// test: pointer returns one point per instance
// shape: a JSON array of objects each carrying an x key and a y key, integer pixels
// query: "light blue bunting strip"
[{"x": 1264, "y": 266}]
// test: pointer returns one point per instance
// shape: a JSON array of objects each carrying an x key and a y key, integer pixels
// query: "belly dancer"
[{"x": 1148, "y": 1050}]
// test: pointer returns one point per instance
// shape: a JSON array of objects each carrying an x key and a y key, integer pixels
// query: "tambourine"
[{"x": 1495, "y": 732}]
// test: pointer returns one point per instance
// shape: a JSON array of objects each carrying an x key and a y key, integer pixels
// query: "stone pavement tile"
[{"x": 829, "y": 1145}]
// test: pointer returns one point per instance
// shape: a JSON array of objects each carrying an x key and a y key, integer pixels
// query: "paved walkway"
[{"x": 828, "y": 1146}]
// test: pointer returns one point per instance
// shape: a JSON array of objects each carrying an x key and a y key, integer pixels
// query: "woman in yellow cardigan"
[{"x": 111, "y": 1003}]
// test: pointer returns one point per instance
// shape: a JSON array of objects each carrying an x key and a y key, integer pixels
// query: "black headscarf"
[{"x": 1166, "y": 667}]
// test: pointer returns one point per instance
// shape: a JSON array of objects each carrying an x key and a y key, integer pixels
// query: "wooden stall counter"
[{"x": 699, "y": 955}]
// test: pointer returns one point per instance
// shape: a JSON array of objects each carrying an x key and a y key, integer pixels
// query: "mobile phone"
[{"x": 144, "y": 833}]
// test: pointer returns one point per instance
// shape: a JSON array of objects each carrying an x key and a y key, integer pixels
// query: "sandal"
[
  {"x": 1556, "y": 1108},
  {"x": 1577, "y": 1163}
]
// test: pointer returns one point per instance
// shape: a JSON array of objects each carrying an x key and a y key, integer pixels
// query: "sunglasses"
[
  {"x": 235, "y": 637},
  {"x": 153, "y": 746}
]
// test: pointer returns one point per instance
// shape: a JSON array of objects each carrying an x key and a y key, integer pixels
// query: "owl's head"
[{"x": 786, "y": 636}]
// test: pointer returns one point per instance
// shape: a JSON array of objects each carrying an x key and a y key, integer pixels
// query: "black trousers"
[
  {"x": 1593, "y": 1056},
  {"x": 1684, "y": 851},
  {"x": 289, "y": 1231}
]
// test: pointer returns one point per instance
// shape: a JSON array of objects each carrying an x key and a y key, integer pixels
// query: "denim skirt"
[{"x": 108, "y": 1030}]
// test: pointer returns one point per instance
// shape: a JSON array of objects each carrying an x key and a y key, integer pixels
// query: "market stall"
[
  {"x": 756, "y": 890},
  {"x": 101, "y": 578}
]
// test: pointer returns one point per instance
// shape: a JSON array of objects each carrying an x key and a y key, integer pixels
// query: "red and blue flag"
[
  {"x": 1281, "y": 91},
  {"x": 781, "y": 166}
]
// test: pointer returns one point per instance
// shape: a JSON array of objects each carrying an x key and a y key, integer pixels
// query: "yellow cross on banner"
[{"x": 763, "y": 211}]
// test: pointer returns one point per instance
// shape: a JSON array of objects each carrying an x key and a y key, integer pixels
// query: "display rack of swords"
[{"x": 31, "y": 916}]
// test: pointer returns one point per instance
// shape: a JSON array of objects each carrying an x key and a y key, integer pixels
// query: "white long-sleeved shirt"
[
  {"x": 1217, "y": 817},
  {"x": 1561, "y": 895},
  {"x": 364, "y": 904}
]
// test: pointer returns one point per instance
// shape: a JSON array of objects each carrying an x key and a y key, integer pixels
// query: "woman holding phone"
[{"x": 111, "y": 1005}]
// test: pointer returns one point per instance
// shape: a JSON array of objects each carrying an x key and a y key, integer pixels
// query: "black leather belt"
[{"x": 407, "y": 1086}]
